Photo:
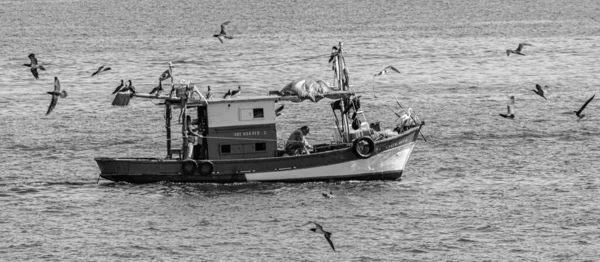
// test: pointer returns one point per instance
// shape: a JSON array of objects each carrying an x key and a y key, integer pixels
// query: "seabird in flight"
[
  {"x": 100, "y": 70},
  {"x": 223, "y": 34},
  {"x": 579, "y": 112},
  {"x": 518, "y": 50},
  {"x": 319, "y": 229},
  {"x": 510, "y": 113},
  {"x": 55, "y": 94},
  {"x": 385, "y": 71},
  {"x": 34, "y": 66},
  {"x": 538, "y": 90}
]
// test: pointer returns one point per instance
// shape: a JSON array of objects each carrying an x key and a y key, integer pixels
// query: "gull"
[
  {"x": 209, "y": 93},
  {"x": 510, "y": 113},
  {"x": 130, "y": 87},
  {"x": 157, "y": 89},
  {"x": 330, "y": 195},
  {"x": 165, "y": 75},
  {"x": 100, "y": 70},
  {"x": 278, "y": 110},
  {"x": 319, "y": 229},
  {"x": 118, "y": 87},
  {"x": 334, "y": 53},
  {"x": 538, "y": 90},
  {"x": 518, "y": 50},
  {"x": 233, "y": 93},
  {"x": 34, "y": 66},
  {"x": 55, "y": 94},
  {"x": 578, "y": 113},
  {"x": 385, "y": 71},
  {"x": 223, "y": 34}
]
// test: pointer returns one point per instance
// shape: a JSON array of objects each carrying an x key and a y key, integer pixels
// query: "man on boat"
[
  {"x": 193, "y": 137},
  {"x": 296, "y": 143}
]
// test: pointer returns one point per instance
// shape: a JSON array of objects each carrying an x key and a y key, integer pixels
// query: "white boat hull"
[{"x": 391, "y": 161}]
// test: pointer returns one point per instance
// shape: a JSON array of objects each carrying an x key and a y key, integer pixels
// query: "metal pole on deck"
[
  {"x": 168, "y": 126},
  {"x": 184, "y": 127},
  {"x": 340, "y": 71}
]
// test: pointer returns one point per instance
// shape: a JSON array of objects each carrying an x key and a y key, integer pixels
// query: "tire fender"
[
  {"x": 206, "y": 168},
  {"x": 358, "y": 147},
  {"x": 189, "y": 167}
]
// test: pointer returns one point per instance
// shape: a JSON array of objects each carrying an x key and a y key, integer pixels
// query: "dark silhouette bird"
[
  {"x": 118, "y": 87},
  {"x": 209, "y": 93},
  {"x": 386, "y": 70},
  {"x": 330, "y": 195},
  {"x": 100, "y": 70},
  {"x": 334, "y": 53},
  {"x": 55, "y": 94},
  {"x": 129, "y": 87},
  {"x": 538, "y": 90},
  {"x": 165, "y": 75},
  {"x": 518, "y": 50},
  {"x": 157, "y": 89},
  {"x": 223, "y": 34},
  {"x": 579, "y": 112},
  {"x": 33, "y": 65},
  {"x": 233, "y": 93},
  {"x": 278, "y": 110},
  {"x": 319, "y": 229},
  {"x": 510, "y": 113}
]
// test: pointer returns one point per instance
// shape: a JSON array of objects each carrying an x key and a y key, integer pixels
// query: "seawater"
[{"x": 482, "y": 188}]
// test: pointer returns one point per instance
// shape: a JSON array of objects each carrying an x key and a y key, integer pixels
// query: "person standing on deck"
[
  {"x": 193, "y": 137},
  {"x": 296, "y": 143}
]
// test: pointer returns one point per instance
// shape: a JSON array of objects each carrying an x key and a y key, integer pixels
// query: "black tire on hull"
[
  {"x": 363, "y": 147},
  {"x": 189, "y": 167},
  {"x": 206, "y": 168}
]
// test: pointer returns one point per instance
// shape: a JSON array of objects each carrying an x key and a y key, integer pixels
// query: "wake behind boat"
[{"x": 234, "y": 139}]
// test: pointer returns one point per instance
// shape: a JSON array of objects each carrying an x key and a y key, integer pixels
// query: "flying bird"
[
  {"x": 579, "y": 112},
  {"x": 118, "y": 87},
  {"x": 510, "y": 113},
  {"x": 223, "y": 34},
  {"x": 319, "y": 229},
  {"x": 55, "y": 94},
  {"x": 209, "y": 93},
  {"x": 233, "y": 93},
  {"x": 386, "y": 70},
  {"x": 100, "y": 70},
  {"x": 518, "y": 50},
  {"x": 33, "y": 65},
  {"x": 538, "y": 90},
  {"x": 278, "y": 110}
]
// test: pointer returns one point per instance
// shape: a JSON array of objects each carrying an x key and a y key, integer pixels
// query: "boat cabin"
[{"x": 234, "y": 128}]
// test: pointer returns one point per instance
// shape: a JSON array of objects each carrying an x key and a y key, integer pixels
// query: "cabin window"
[
  {"x": 260, "y": 147},
  {"x": 258, "y": 113},
  {"x": 225, "y": 149}
]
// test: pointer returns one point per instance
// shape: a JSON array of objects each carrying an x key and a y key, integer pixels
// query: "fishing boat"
[{"x": 239, "y": 138}]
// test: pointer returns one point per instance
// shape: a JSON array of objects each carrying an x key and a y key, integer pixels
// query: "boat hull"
[{"x": 386, "y": 163}]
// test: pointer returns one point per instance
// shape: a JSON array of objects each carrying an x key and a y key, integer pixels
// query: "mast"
[
  {"x": 340, "y": 68},
  {"x": 168, "y": 126}
]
